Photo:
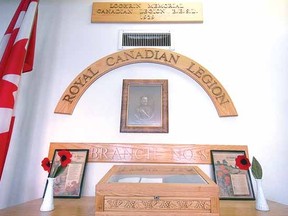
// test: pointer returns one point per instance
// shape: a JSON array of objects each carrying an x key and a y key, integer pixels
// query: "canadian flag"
[{"x": 16, "y": 56}]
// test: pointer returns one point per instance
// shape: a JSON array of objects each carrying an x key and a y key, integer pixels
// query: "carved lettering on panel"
[
  {"x": 146, "y": 12},
  {"x": 202, "y": 76},
  {"x": 147, "y": 153}
]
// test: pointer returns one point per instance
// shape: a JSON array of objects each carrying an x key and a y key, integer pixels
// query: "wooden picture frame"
[
  {"x": 69, "y": 183},
  {"x": 144, "y": 106},
  {"x": 234, "y": 183}
]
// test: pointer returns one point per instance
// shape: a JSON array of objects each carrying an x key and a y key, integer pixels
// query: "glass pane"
[{"x": 183, "y": 179}]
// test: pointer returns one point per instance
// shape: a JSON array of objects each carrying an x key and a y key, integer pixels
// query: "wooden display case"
[{"x": 156, "y": 190}]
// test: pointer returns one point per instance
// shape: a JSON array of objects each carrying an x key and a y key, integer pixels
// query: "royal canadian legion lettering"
[
  {"x": 112, "y": 61},
  {"x": 80, "y": 82},
  {"x": 209, "y": 82},
  {"x": 148, "y": 55}
]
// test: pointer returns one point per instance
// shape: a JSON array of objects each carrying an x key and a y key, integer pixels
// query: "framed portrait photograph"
[
  {"x": 233, "y": 182},
  {"x": 69, "y": 183},
  {"x": 144, "y": 106}
]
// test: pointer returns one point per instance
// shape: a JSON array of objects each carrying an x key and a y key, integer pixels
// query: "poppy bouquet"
[
  {"x": 65, "y": 159},
  {"x": 243, "y": 163}
]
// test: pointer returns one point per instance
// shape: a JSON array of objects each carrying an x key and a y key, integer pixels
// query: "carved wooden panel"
[
  {"x": 154, "y": 204},
  {"x": 147, "y": 153}
]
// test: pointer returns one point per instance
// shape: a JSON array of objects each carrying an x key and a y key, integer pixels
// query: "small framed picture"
[
  {"x": 69, "y": 183},
  {"x": 233, "y": 182},
  {"x": 144, "y": 106}
]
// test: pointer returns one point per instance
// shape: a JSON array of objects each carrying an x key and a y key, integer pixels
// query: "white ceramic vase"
[
  {"x": 261, "y": 203},
  {"x": 48, "y": 200}
]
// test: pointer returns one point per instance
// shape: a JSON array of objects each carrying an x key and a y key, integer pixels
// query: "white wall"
[{"x": 242, "y": 43}]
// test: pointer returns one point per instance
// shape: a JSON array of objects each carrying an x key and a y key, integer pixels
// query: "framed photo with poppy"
[
  {"x": 231, "y": 174},
  {"x": 68, "y": 184}
]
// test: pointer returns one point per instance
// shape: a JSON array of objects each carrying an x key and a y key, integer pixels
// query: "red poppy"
[
  {"x": 46, "y": 164},
  {"x": 65, "y": 157},
  {"x": 242, "y": 162}
]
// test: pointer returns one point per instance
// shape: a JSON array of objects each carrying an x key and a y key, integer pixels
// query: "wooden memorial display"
[
  {"x": 164, "y": 187},
  {"x": 141, "y": 190}
]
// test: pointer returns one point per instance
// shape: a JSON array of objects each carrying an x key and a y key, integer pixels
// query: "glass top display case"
[
  {"x": 177, "y": 178},
  {"x": 156, "y": 190}
]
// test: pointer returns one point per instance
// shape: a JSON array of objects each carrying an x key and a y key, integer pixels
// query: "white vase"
[
  {"x": 48, "y": 200},
  {"x": 261, "y": 203}
]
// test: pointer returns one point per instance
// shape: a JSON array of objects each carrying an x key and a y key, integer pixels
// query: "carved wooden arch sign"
[{"x": 202, "y": 76}]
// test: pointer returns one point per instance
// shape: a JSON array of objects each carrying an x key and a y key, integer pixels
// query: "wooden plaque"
[
  {"x": 147, "y": 153},
  {"x": 146, "y": 12}
]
